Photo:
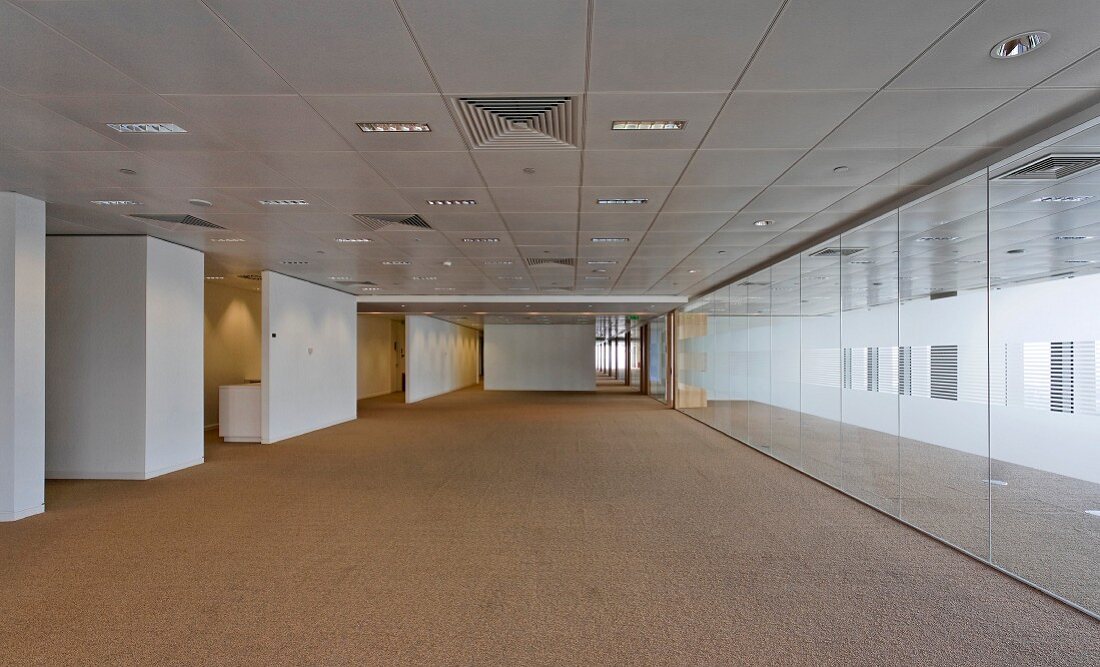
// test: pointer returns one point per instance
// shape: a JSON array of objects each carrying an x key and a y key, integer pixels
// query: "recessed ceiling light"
[
  {"x": 938, "y": 238},
  {"x": 599, "y": 262},
  {"x": 200, "y": 202},
  {"x": 346, "y": 239},
  {"x": 393, "y": 126},
  {"x": 451, "y": 202},
  {"x": 425, "y": 278},
  {"x": 146, "y": 128},
  {"x": 693, "y": 271},
  {"x": 395, "y": 262},
  {"x": 1072, "y": 238},
  {"x": 840, "y": 169},
  {"x": 215, "y": 277},
  {"x": 862, "y": 261},
  {"x": 444, "y": 289},
  {"x": 595, "y": 277},
  {"x": 510, "y": 278},
  {"x": 371, "y": 289},
  {"x": 599, "y": 270},
  {"x": 610, "y": 239},
  {"x": 1018, "y": 45},
  {"x": 520, "y": 289},
  {"x": 648, "y": 124},
  {"x": 1062, "y": 199},
  {"x": 480, "y": 239},
  {"x": 498, "y": 262},
  {"x": 762, "y": 223},
  {"x": 338, "y": 278},
  {"x": 638, "y": 201},
  {"x": 1080, "y": 261},
  {"x": 295, "y": 262},
  {"x": 115, "y": 202},
  {"x": 284, "y": 202},
  {"x": 226, "y": 240}
]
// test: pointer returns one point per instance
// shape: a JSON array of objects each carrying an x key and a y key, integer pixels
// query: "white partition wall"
[
  {"x": 440, "y": 357},
  {"x": 539, "y": 357},
  {"x": 124, "y": 378},
  {"x": 22, "y": 326},
  {"x": 377, "y": 356},
  {"x": 309, "y": 357}
]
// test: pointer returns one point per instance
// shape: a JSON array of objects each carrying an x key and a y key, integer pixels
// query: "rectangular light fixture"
[
  {"x": 1064, "y": 199},
  {"x": 451, "y": 202},
  {"x": 226, "y": 240},
  {"x": 498, "y": 262},
  {"x": 939, "y": 238},
  {"x": 347, "y": 239},
  {"x": 339, "y": 278},
  {"x": 648, "y": 124},
  {"x": 116, "y": 202},
  {"x": 284, "y": 202},
  {"x": 295, "y": 262},
  {"x": 393, "y": 126},
  {"x": 601, "y": 262},
  {"x": 444, "y": 289},
  {"x": 371, "y": 289},
  {"x": 510, "y": 277},
  {"x": 424, "y": 277},
  {"x": 395, "y": 262},
  {"x": 147, "y": 128},
  {"x": 595, "y": 277},
  {"x": 480, "y": 239},
  {"x": 610, "y": 239},
  {"x": 215, "y": 277},
  {"x": 622, "y": 202},
  {"x": 1072, "y": 238}
]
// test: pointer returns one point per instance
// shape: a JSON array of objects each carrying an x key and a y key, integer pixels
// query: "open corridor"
[{"x": 513, "y": 528}]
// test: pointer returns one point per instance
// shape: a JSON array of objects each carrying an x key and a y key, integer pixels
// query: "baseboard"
[
  {"x": 108, "y": 474},
  {"x": 375, "y": 395},
  {"x": 22, "y": 514},
  {"x": 309, "y": 430}
]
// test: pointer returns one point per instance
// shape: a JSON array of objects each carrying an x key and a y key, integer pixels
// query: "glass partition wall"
[{"x": 938, "y": 363}]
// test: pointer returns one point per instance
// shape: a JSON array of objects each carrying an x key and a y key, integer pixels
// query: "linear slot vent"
[
  {"x": 836, "y": 252},
  {"x": 518, "y": 122},
  {"x": 541, "y": 261},
  {"x": 377, "y": 222},
  {"x": 1053, "y": 167},
  {"x": 176, "y": 219}
]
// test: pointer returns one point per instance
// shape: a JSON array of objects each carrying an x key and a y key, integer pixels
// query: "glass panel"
[
  {"x": 759, "y": 359},
  {"x": 736, "y": 360},
  {"x": 869, "y": 340},
  {"x": 1045, "y": 414},
  {"x": 943, "y": 412},
  {"x": 658, "y": 353},
  {"x": 692, "y": 378},
  {"x": 784, "y": 364},
  {"x": 820, "y": 370}
]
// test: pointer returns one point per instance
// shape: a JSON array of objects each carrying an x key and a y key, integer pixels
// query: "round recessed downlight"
[
  {"x": 1018, "y": 45},
  {"x": 200, "y": 202},
  {"x": 840, "y": 169},
  {"x": 762, "y": 223}
]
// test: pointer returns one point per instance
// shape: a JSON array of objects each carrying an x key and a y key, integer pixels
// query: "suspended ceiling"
[{"x": 775, "y": 96}]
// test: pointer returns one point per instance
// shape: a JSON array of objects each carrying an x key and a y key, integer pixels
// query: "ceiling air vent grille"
[
  {"x": 1052, "y": 167},
  {"x": 518, "y": 122},
  {"x": 176, "y": 219},
  {"x": 377, "y": 222},
  {"x": 541, "y": 261},
  {"x": 836, "y": 252}
]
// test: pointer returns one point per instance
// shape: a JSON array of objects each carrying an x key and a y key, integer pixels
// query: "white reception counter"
[{"x": 239, "y": 412}]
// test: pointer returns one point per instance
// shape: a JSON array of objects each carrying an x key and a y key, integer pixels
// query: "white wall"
[
  {"x": 309, "y": 352},
  {"x": 22, "y": 352},
  {"x": 539, "y": 357},
  {"x": 124, "y": 348},
  {"x": 376, "y": 356},
  {"x": 440, "y": 357},
  {"x": 232, "y": 342}
]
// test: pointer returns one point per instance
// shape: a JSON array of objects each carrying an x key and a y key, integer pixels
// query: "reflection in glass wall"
[
  {"x": 938, "y": 363},
  {"x": 658, "y": 357}
]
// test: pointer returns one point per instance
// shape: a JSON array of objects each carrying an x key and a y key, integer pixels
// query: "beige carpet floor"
[{"x": 485, "y": 528}]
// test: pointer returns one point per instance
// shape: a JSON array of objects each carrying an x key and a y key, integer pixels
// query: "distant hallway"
[{"x": 501, "y": 528}]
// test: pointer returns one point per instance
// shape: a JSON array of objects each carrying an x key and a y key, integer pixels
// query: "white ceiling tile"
[
  {"x": 818, "y": 167},
  {"x": 540, "y": 222},
  {"x": 263, "y": 122},
  {"x": 419, "y": 169},
  {"x": 418, "y": 198},
  {"x": 327, "y": 169},
  {"x": 914, "y": 118},
  {"x": 551, "y": 167},
  {"x": 25, "y": 125},
  {"x": 681, "y": 238},
  {"x": 365, "y": 201},
  {"x": 847, "y": 44},
  {"x": 796, "y": 198},
  {"x": 675, "y": 222},
  {"x": 39, "y": 60},
  {"x": 1023, "y": 116},
  {"x": 739, "y": 168},
  {"x": 171, "y": 46},
  {"x": 590, "y": 197},
  {"x": 714, "y": 39},
  {"x": 344, "y": 111},
  {"x": 219, "y": 169},
  {"x": 781, "y": 119},
  {"x": 544, "y": 238},
  {"x": 356, "y": 36},
  {"x": 446, "y": 221},
  {"x": 634, "y": 167},
  {"x": 625, "y": 221},
  {"x": 502, "y": 46},
  {"x": 962, "y": 60},
  {"x": 696, "y": 109},
  {"x": 692, "y": 198},
  {"x": 1085, "y": 73},
  {"x": 559, "y": 199}
]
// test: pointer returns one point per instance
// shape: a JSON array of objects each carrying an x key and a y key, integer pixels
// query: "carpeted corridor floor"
[{"x": 484, "y": 528}]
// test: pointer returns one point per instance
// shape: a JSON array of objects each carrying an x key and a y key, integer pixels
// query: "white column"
[
  {"x": 124, "y": 370},
  {"x": 22, "y": 355}
]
